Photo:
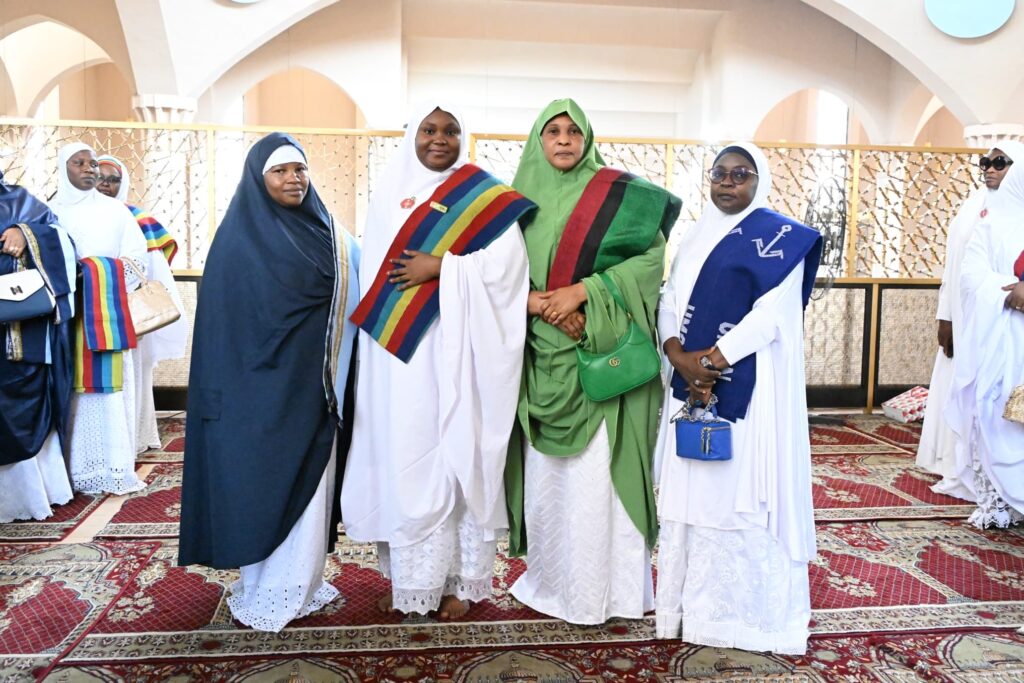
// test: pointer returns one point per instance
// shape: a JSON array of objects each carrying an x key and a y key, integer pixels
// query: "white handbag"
[
  {"x": 23, "y": 295},
  {"x": 150, "y": 306}
]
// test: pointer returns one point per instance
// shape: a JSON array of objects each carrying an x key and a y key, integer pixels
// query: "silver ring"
[{"x": 696, "y": 382}]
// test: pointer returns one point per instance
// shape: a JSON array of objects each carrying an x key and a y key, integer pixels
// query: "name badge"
[{"x": 436, "y": 206}]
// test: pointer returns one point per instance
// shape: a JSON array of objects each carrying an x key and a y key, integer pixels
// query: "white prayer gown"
[
  {"x": 990, "y": 361},
  {"x": 102, "y": 426},
  {"x": 166, "y": 343},
  {"x": 425, "y": 472},
  {"x": 937, "y": 449},
  {"x": 736, "y": 535}
]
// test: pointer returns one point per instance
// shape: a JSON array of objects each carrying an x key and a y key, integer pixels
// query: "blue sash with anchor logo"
[{"x": 751, "y": 260}]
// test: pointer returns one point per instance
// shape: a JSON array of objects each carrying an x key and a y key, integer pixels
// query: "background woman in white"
[
  {"x": 990, "y": 354},
  {"x": 102, "y": 424}
]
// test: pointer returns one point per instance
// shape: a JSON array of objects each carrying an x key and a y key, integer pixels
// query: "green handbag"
[{"x": 632, "y": 363}]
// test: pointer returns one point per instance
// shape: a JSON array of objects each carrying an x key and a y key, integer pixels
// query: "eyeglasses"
[
  {"x": 999, "y": 163},
  {"x": 739, "y": 175},
  {"x": 108, "y": 179}
]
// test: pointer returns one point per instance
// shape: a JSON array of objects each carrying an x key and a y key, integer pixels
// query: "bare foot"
[
  {"x": 452, "y": 608},
  {"x": 386, "y": 604}
]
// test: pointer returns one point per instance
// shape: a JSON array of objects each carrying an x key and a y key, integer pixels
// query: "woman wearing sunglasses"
[
  {"x": 737, "y": 534},
  {"x": 990, "y": 354},
  {"x": 937, "y": 450}
]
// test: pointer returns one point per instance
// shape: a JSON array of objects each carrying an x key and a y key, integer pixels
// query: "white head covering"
[
  {"x": 404, "y": 178},
  {"x": 712, "y": 226},
  {"x": 1011, "y": 190},
  {"x": 285, "y": 154},
  {"x": 405, "y": 175},
  {"x": 68, "y": 194},
  {"x": 122, "y": 190}
]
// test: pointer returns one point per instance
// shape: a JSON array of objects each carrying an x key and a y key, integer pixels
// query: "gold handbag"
[
  {"x": 151, "y": 306},
  {"x": 1014, "y": 410}
]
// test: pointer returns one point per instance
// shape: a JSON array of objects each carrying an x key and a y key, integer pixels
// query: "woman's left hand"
[
  {"x": 1015, "y": 298},
  {"x": 13, "y": 241},
  {"x": 563, "y": 301},
  {"x": 414, "y": 268}
]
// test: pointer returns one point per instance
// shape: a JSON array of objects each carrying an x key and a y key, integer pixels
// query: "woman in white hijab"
[
  {"x": 167, "y": 342},
  {"x": 937, "y": 450},
  {"x": 990, "y": 354},
  {"x": 424, "y": 479},
  {"x": 736, "y": 535},
  {"x": 102, "y": 424}
]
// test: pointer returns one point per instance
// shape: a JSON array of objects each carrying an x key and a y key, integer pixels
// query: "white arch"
[{"x": 46, "y": 51}]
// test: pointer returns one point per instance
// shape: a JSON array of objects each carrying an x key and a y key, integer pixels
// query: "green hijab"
[{"x": 555, "y": 192}]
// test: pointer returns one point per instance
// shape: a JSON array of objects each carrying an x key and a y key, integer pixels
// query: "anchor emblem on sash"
[{"x": 765, "y": 251}]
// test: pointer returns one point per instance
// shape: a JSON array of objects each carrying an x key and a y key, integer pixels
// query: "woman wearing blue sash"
[
  {"x": 35, "y": 362},
  {"x": 267, "y": 390},
  {"x": 737, "y": 534}
]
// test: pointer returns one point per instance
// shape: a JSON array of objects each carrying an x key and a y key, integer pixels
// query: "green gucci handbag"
[{"x": 632, "y": 363}]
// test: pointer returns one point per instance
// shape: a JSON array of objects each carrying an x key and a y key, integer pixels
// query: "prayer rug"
[
  {"x": 153, "y": 512},
  {"x": 884, "y": 429},
  {"x": 50, "y": 594},
  {"x": 844, "y": 438},
  {"x": 172, "y": 441},
  {"x": 879, "y": 486},
  {"x": 886, "y": 577},
  {"x": 54, "y": 528}
]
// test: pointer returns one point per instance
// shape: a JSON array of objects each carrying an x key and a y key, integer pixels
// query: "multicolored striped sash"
[
  {"x": 466, "y": 213},
  {"x": 104, "y": 327},
  {"x": 157, "y": 236},
  {"x": 617, "y": 217}
]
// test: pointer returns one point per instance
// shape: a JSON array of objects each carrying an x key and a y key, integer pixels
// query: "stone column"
[{"x": 985, "y": 135}]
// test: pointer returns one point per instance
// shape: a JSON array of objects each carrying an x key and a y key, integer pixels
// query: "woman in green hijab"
[{"x": 578, "y": 478}]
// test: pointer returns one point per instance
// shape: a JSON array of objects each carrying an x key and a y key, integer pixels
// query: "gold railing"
[{"x": 883, "y": 210}]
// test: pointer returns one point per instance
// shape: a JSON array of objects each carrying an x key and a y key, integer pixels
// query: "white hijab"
[
  {"x": 404, "y": 178},
  {"x": 714, "y": 224},
  {"x": 122, "y": 190},
  {"x": 68, "y": 194}
]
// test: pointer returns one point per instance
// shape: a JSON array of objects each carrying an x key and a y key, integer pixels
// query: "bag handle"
[
  {"x": 613, "y": 289},
  {"x": 135, "y": 269}
]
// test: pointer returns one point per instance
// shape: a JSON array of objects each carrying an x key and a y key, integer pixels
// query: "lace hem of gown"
[
  {"x": 992, "y": 510},
  {"x": 252, "y": 610}
]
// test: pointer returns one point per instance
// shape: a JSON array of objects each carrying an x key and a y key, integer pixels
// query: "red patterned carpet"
[{"x": 902, "y": 590}]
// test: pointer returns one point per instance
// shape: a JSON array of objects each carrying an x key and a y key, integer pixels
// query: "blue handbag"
[
  {"x": 23, "y": 295},
  {"x": 705, "y": 436}
]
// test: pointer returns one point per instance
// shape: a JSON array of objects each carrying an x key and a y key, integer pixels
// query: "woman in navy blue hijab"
[
  {"x": 35, "y": 363},
  {"x": 266, "y": 400}
]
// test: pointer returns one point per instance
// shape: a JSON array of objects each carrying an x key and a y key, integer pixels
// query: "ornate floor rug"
[
  {"x": 172, "y": 441},
  {"x": 988, "y": 657},
  {"x": 63, "y": 521},
  {"x": 154, "y": 511},
  {"x": 899, "y": 592}
]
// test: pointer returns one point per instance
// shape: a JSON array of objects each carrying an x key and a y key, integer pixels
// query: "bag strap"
[
  {"x": 613, "y": 289},
  {"x": 135, "y": 269}
]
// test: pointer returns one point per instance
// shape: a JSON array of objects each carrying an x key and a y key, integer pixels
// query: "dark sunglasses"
[
  {"x": 108, "y": 179},
  {"x": 739, "y": 175},
  {"x": 999, "y": 163}
]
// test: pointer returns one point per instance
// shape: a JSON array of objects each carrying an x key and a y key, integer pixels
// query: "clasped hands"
[
  {"x": 561, "y": 308},
  {"x": 700, "y": 379}
]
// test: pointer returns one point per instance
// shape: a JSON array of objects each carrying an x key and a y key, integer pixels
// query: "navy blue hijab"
[
  {"x": 260, "y": 425},
  {"x": 35, "y": 395}
]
